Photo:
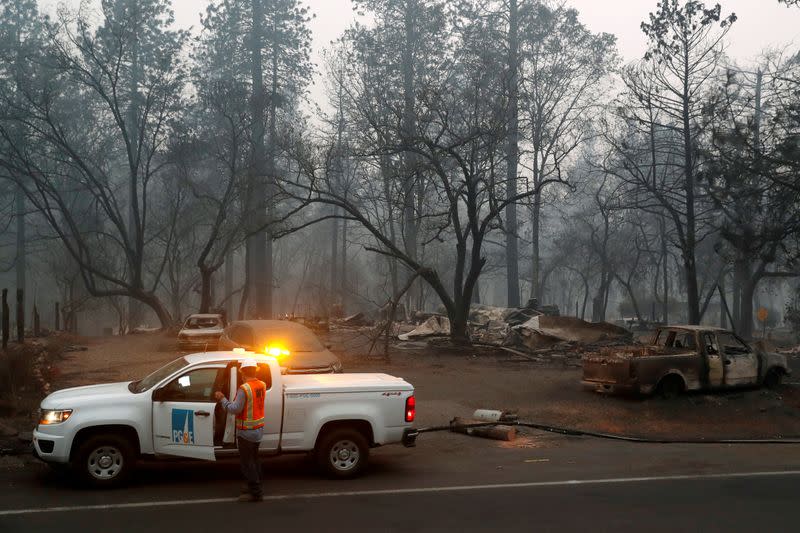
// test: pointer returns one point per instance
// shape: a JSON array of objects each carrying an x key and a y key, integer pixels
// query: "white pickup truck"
[{"x": 100, "y": 431}]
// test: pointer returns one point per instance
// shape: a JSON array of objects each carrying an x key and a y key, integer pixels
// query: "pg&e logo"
[{"x": 182, "y": 426}]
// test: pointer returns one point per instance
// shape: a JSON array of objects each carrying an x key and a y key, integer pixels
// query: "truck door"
[
  {"x": 716, "y": 372},
  {"x": 740, "y": 362},
  {"x": 183, "y": 414}
]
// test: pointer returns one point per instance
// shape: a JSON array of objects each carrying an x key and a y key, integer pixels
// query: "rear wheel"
[
  {"x": 773, "y": 378},
  {"x": 343, "y": 453},
  {"x": 104, "y": 461},
  {"x": 671, "y": 387}
]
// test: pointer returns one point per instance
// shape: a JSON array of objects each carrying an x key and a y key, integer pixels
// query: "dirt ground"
[{"x": 453, "y": 383}]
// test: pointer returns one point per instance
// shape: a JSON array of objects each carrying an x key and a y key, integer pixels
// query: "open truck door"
[
  {"x": 183, "y": 414},
  {"x": 741, "y": 362}
]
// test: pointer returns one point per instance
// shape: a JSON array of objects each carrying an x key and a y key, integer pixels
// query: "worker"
[{"x": 248, "y": 406}]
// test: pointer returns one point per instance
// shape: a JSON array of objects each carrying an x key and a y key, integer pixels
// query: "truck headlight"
[{"x": 48, "y": 417}]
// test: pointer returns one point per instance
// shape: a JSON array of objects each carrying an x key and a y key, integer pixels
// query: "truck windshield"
[{"x": 166, "y": 370}]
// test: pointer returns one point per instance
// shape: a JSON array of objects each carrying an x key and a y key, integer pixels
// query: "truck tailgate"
[{"x": 604, "y": 369}]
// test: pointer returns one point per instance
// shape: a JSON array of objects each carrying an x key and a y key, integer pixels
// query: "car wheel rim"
[
  {"x": 344, "y": 455},
  {"x": 105, "y": 462}
]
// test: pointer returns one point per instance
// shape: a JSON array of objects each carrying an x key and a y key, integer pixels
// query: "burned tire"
[
  {"x": 773, "y": 378},
  {"x": 104, "y": 461},
  {"x": 342, "y": 453},
  {"x": 670, "y": 387}
]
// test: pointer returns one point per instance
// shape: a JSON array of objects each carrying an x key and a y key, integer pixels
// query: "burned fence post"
[
  {"x": 57, "y": 318},
  {"x": 20, "y": 316},
  {"x": 6, "y": 319}
]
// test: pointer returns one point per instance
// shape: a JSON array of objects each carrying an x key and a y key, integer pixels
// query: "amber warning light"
[
  {"x": 411, "y": 409},
  {"x": 276, "y": 351}
]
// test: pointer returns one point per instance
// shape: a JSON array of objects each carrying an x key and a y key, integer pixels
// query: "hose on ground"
[{"x": 572, "y": 432}]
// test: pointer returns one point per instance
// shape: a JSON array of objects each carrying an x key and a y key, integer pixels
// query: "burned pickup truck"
[{"x": 683, "y": 358}]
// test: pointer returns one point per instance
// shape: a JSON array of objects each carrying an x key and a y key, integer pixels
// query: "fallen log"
[{"x": 479, "y": 428}]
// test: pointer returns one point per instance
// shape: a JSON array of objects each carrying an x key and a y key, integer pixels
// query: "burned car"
[
  {"x": 683, "y": 358},
  {"x": 201, "y": 332}
]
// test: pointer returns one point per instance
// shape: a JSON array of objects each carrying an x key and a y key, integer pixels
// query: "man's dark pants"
[{"x": 251, "y": 467}]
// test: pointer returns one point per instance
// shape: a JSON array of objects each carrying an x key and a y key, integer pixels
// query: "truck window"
[
  {"x": 731, "y": 345},
  {"x": 665, "y": 339},
  {"x": 685, "y": 340},
  {"x": 194, "y": 386}
]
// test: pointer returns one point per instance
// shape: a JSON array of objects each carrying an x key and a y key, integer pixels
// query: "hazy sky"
[{"x": 762, "y": 23}]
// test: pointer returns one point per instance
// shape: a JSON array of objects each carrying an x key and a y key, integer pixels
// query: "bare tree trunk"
[
  {"x": 748, "y": 280},
  {"x": 689, "y": 264},
  {"x": 265, "y": 301},
  {"x": 392, "y": 261},
  {"x": 665, "y": 269},
  {"x": 229, "y": 284},
  {"x": 20, "y": 265},
  {"x": 536, "y": 287},
  {"x": 6, "y": 332},
  {"x": 206, "y": 281},
  {"x": 745, "y": 328},
  {"x": 256, "y": 240},
  {"x": 512, "y": 157},
  {"x": 154, "y": 303},
  {"x": 585, "y": 297},
  {"x": 246, "y": 290},
  {"x": 134, "y": 309},
  {"x": 459, "y": 324},
  {"x": 741, "y": 271},
  {"x": 723, "y": 320},
  {"x": 409, "y": 126},
  {"x": 334, "y": 262},
  {"x": 20, "y": 315},
  {"x": 176, "y": 303},
  {"x": 343, "y": 283}
]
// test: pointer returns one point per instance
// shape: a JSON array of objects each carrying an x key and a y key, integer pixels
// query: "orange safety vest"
[{"x": 252, "y": 415}]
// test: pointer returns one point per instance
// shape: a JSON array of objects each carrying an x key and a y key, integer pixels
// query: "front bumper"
[
  {"x": 49, "y": 447},
  {"x": 410, "y": 437}
]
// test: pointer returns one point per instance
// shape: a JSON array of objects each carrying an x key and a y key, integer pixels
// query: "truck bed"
[
  {"x": 612, "y": 365},
  {"x": 334, "y": 383}
]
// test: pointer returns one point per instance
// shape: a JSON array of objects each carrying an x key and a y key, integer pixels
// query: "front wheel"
[
  {"x": 104, "y": 461},
  {"x": 343, "y": 453},
  {"x": 773, "y": 378}
]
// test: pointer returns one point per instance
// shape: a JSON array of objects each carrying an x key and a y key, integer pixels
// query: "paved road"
[{"x": 448, "y": 483}]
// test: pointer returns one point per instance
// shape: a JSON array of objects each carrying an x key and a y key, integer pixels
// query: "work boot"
[{"x": 248, "y": 497}]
